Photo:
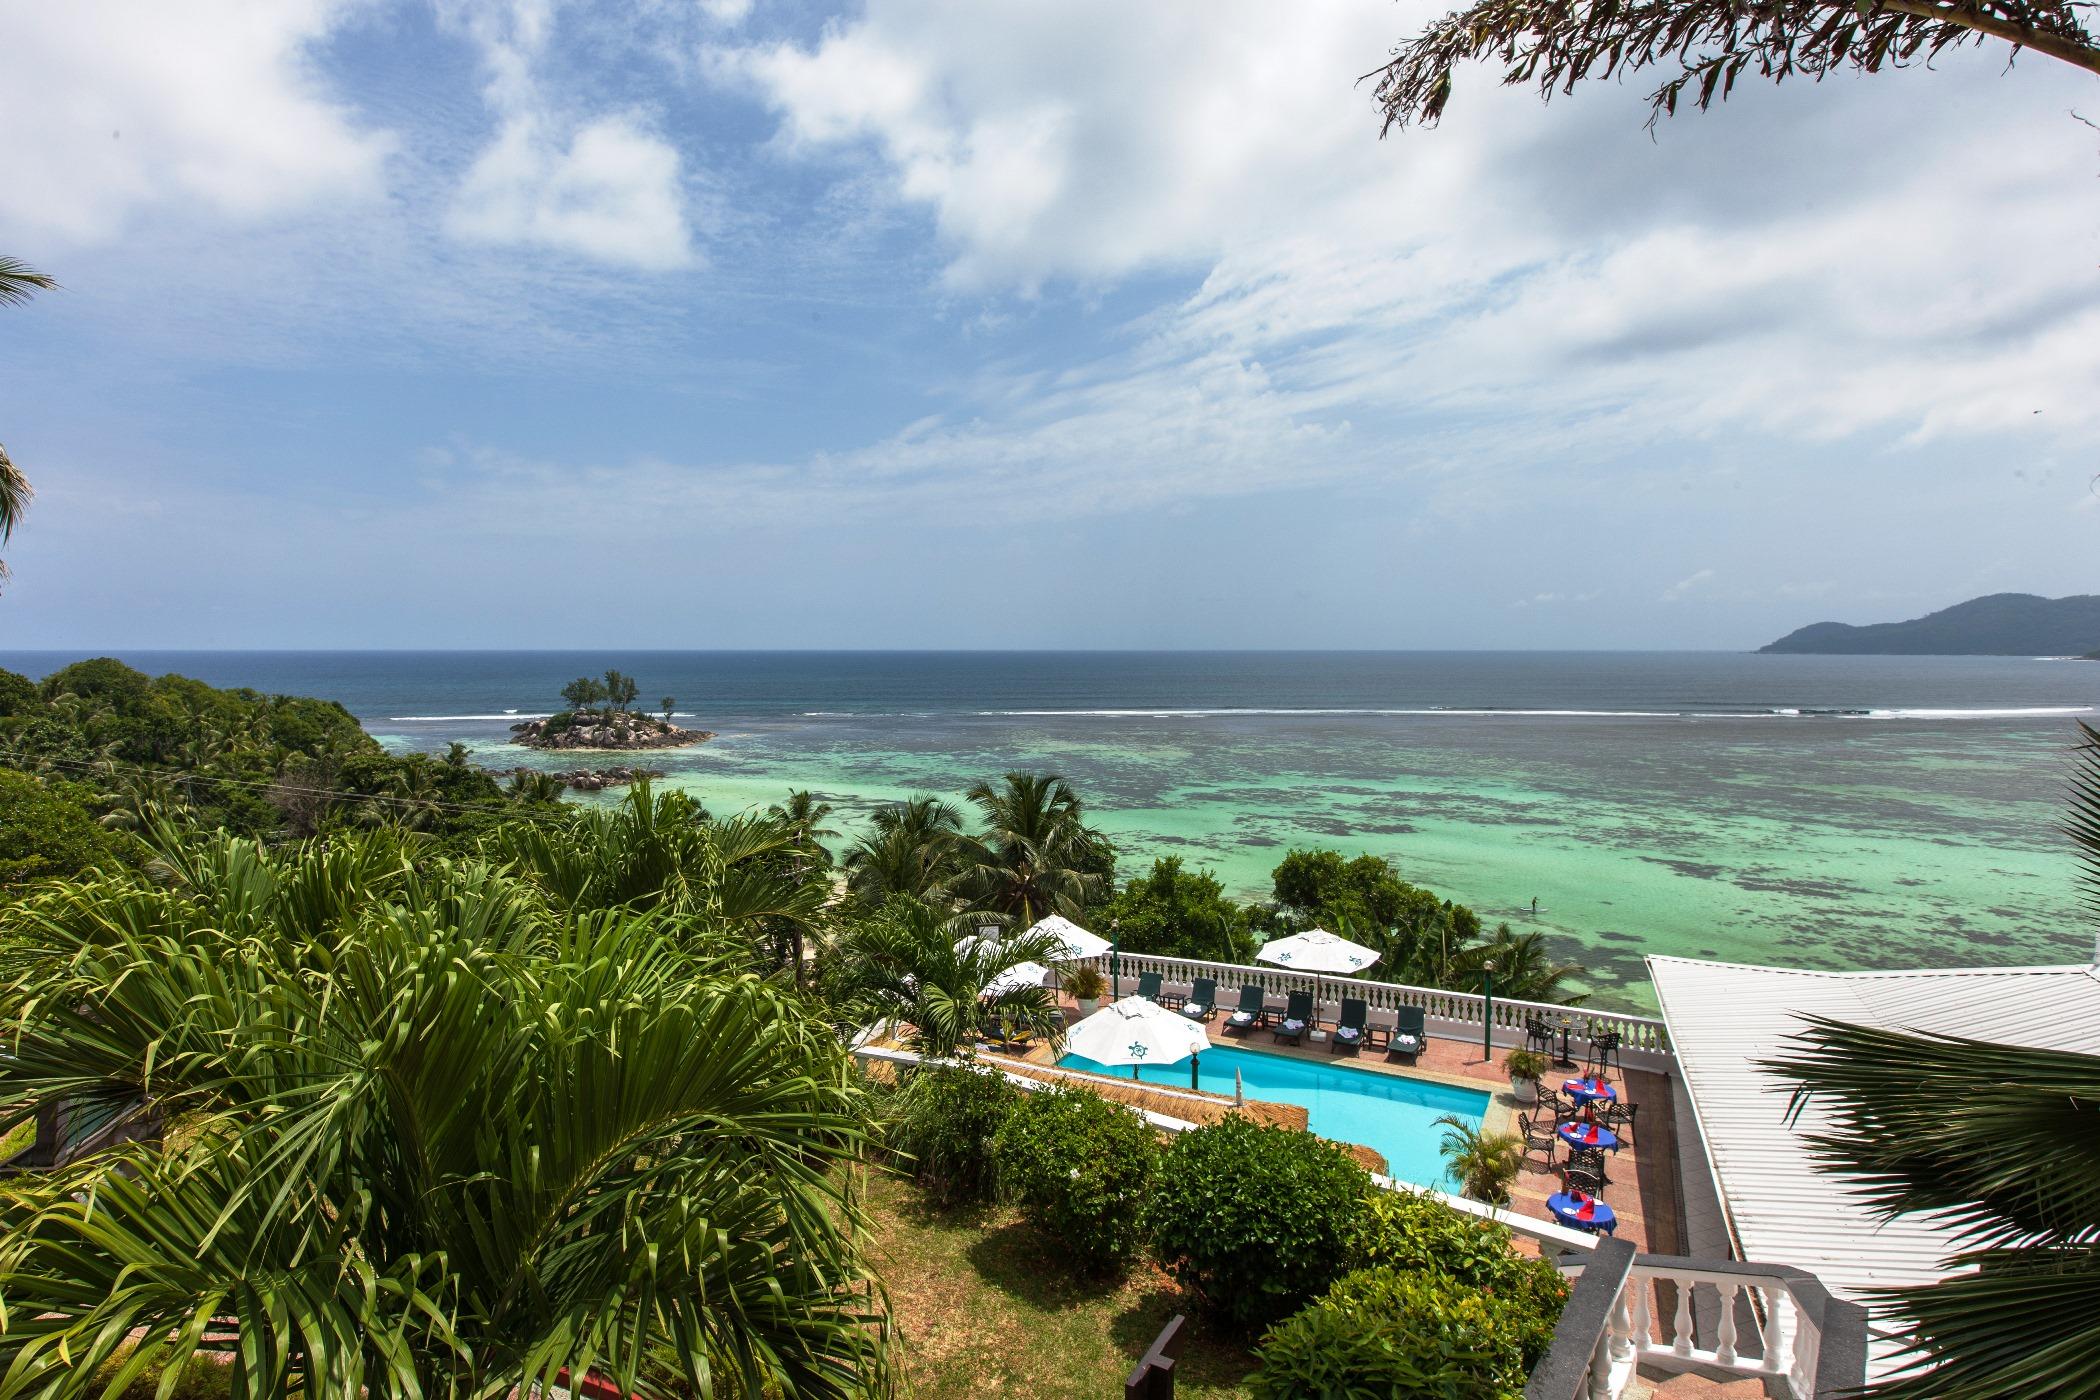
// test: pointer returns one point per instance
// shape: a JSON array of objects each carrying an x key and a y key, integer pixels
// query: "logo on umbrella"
[{"x": 1138, "y": 1050}]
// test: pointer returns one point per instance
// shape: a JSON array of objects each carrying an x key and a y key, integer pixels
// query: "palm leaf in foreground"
[
  {"x": 2004, "y": 1141},
  {"x": 443, "y": 1143}
]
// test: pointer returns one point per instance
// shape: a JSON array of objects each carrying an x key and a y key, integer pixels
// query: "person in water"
[{"x": 1534, "y": 906}]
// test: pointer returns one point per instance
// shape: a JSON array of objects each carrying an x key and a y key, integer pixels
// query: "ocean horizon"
[{"x": 1806, "y": 810}]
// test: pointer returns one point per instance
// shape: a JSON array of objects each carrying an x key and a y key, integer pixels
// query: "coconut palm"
[
  {"x": 1036, "y": 855},
  {"x": 930, "y": 972},
  {"x": 911, "y": 848},
  {"x": 2016, "y": 1170},
  {"x": 804, "y": 815},
  {"x": 1486, "y": 1164},
  {"x": 529, "y": 785},
  {"x": 652, "y": 851},
  {"x": 436, "y": 1140},
  {"x": 1525, "y": 970}
]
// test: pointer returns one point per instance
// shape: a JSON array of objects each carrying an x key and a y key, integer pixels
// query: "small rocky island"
[{"x": 601, "y": 715}]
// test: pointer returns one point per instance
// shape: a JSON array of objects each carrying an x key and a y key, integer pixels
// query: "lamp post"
[
  {"x": 1487, "y": 1010},
  {"x": 1115, "y": 960}
]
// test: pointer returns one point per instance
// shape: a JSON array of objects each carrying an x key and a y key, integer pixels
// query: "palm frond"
[
  {"x": 2004, "y": 1139},
  {"x": 2082, "y": 819}
]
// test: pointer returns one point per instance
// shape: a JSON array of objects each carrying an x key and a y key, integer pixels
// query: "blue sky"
[{"x": 738, "y": 323}]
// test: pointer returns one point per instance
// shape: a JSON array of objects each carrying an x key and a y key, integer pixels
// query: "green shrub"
[
  {"x": 1393, "y": 1333},
  {"x": 1255, "y": 1221},
  {"x": 47, "y": 831},
  {"x": 1080, "y": 1168},
  {"x": 1418, "y": 1233},
  {"x": 946, "y": 1118}
]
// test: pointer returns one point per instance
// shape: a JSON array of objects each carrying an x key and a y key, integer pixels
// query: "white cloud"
[
  {"x": 113, "y": 108},
  {"x": 726, "y": 12},
  {"x": 1676, "y": 591},
  {"x": 612, "y": 194},
  {"x": 1518, "y": 284},
  {"x": 607, "y": 187}
]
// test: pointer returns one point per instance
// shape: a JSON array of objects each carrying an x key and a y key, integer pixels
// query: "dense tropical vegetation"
[
  {"x": 132, "y": 747},
  {"x": 378, "y": 1073},
  {"x": 410, "y": 1126}
]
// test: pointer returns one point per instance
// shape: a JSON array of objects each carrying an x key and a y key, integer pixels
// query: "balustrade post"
[
  {"x": 1681, "y": 1325},
  {"x": 1620, "y": 1331},
  {"x": 1724, "y": 1336}
]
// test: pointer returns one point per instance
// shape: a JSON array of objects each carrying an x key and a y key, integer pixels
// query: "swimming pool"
[{"x": 1392, "y": 1114}]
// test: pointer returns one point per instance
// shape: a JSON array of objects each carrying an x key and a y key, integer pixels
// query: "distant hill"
[{"x": 2002, "y": 624}]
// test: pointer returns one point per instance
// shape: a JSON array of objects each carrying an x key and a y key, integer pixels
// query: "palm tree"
[
  {"x": 18, "y": 283},
  {"x": 930, "y": 971},
  {"x": 529, "y": 785},
  {"x": 440, "y": 1140},
  {"x": 1485, "y": 1163},
  {"x": 804, "y": 816},
  {"x": 2015, "y": 1170},
  {"x": 912, "y": 848},
  {"x": 734, "y": 877},
  {"x": 1036, "y": 855},
  {"x": 1525, "y": 969}
]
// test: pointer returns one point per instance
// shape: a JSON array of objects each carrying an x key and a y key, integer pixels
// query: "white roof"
[{"x": 1780, "y": 1209}]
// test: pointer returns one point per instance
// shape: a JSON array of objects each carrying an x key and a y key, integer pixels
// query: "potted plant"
[
  {"x": 1525, "y": 1066},
  {"x": 1086, "y": 984}
]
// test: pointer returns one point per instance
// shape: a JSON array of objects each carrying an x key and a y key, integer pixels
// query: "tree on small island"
[
  {"x": 582, "y": 693},
  {"x": 620, "y": 690},
  {"x": 667, "y": 702}
]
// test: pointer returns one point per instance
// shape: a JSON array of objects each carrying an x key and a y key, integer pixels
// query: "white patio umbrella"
[
  {"x": 1137, "y": 1031},
  {"x": 1317, "y": 950},
  {"x": 1073, "y": 942},
  {"x": 1020, "y": 975}
]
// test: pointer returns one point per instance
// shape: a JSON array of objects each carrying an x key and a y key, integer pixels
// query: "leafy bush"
[
  {"x": 1419, "y": 1234},
  {"x": 1394, "y": 1333},
  {"x": 1085, "y": 982},
  {"x": 47, "y": 831},
  {"x": 1080, "y": 1167},
  {"x": 946, "y": 1119},
  {"x": 1487, "y": 1164},
  {"x": 1255, "y": 1221}
]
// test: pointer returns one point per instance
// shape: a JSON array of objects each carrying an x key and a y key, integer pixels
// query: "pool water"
[{"x": 1391, "y": 1114}]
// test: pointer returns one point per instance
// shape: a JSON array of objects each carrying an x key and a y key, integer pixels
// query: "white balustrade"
[
  {"x": 1644, "y": 1041},
  {"x": 1753, "y": 1311}
]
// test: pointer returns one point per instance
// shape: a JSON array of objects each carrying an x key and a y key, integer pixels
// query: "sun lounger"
[
  {"x": 1249, "y": 1014},
  {"x": 1349, "y": 1030},
  {"x": 1410, "y": 1037},
  {"x": 1202, "y": 1003},
  {"x": 1148, "y": 986},
  {"x": 1297, "y": 1019}
]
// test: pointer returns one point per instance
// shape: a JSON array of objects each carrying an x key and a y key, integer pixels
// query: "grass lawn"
[{"x": 985, "y": 1305}]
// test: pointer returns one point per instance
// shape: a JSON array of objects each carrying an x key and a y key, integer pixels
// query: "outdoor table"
[
  {"x": 1586, "y": 1213},
  {"x": 1588, "y": 1135},
  {"x": 1586, "y": 1091},
  {"x": 1567, "y": 1024}
]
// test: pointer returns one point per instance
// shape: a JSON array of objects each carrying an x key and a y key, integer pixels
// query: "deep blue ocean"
[{"x": 1808, "y": 810}]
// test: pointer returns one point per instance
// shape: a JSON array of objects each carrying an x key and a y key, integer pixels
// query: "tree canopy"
[{"x": 1711, "y": 43}]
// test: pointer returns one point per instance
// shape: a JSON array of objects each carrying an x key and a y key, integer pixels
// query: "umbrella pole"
[{"x": 1133, "y": 1071}]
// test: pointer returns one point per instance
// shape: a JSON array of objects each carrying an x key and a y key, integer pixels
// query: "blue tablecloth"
[
  {"x": 1590, "y": 1090},
  {"x": 1579, "y": 1135},
  {"x": 1568, "y": 1211}
]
